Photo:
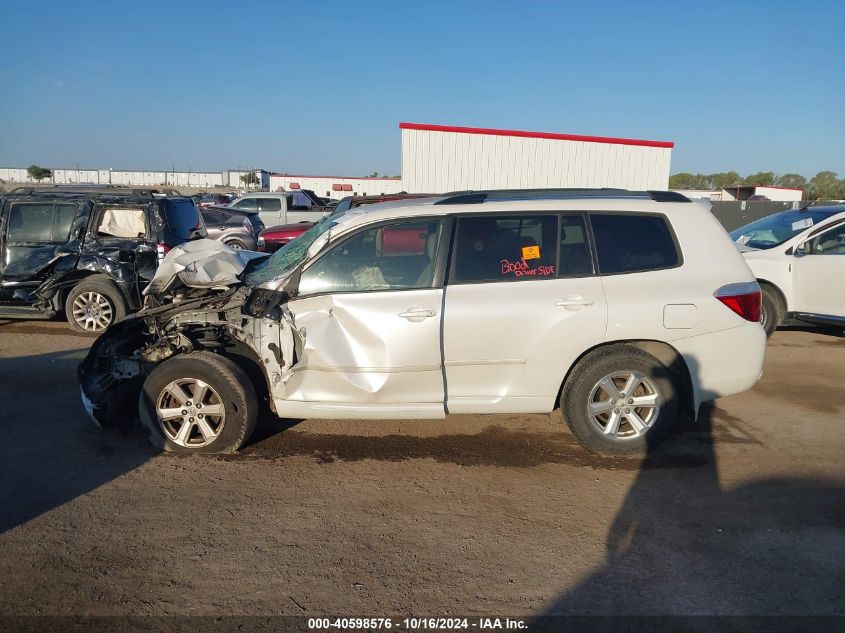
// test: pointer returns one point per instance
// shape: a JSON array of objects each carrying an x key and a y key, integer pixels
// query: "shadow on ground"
[
  {"x": 51, "y": 452},
  {"x": 683, "y": 544}
]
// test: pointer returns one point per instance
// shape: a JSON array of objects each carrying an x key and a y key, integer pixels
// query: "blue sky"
[{"x": 320, "y": 87}]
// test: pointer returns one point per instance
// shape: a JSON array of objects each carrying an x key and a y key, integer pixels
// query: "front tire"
[
  {"x": 620, "y": 400},
  {"x": 93, "y": 305},
  {"x": 198, "y": 403}
]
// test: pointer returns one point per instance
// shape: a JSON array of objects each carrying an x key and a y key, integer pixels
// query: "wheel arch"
[
  {"x": 781, "y": 295},
  {"x": 72, "y": 279},
  {"x": 662, "y": 351}
]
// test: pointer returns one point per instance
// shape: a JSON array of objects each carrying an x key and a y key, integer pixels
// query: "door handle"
[
  {"x": 417, "y": 314},
  {"x": 574, "y": 302}
]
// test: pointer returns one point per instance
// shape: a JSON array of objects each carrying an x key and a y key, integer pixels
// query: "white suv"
[
  {"x": 798, "y": 256},
  {"x": 621, "y": 308}
]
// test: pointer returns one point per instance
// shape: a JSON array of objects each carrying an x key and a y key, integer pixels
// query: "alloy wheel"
[
  {"x": 624, "y": 405},
  {"x": 190, "y": 412},
  {"x": 92, "y": 311}
]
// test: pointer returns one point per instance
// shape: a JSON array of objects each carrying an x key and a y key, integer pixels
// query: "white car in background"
[
  {"x": 798, "y": 257},
  {"x": 622, "y": 309}
]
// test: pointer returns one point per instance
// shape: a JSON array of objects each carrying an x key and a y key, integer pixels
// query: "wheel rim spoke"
[
  {"x": 648, "y": 401},
  {"x": 213, "y": 409},
  {"x": 630, "y": 385},
  {"x": 602, "y": 406},
  {"x": 636, "y": 421},
  {"x": 609, "y": 387},
  {"x": 612, "y": 426},
  {"x": 184, "y": 433},
  {"x": 170, "y": 414}
]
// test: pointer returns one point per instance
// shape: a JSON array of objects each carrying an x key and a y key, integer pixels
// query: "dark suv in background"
[{"x": 87, "y": 252}]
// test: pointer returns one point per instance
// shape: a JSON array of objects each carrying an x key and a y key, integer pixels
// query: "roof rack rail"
[
  {"x": 84, "y": 190},
  {"x": 491, "y": 195}
]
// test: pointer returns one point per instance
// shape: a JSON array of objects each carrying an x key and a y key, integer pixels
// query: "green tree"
[
  {"x": 38, "y": 173},
  {"x": 760, "y": 178},
  {"x": 249, "y": 178},
  {"x": 793, "y": 181},
  {"x": 825, "y": 185},
  {"x": 685, "y": 180},
  {"x": 373, "y": 175},
  {"x": 725, "y": 179}
]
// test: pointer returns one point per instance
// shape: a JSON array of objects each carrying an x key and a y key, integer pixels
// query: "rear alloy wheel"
[
  {"x": 92, "y": 306},
  {"x": 620, "y": 400},
  {"x": 624, "y": 404},
  {"x": 198, "y": 403}
]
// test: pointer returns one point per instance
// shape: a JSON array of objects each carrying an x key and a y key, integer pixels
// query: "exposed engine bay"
[{"x": 196, "y": 302}]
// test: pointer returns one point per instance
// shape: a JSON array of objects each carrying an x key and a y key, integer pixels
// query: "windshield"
[
  {"x": 288, "y": 256},
  {"x": 774, "y": 230}
]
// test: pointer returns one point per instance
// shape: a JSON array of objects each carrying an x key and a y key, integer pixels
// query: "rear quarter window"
[
  {"x": 627, "y": 243},
  {"x": 183, "y": 219}
]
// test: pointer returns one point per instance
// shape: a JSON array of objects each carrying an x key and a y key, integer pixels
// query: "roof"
[
  {"x": 546, "y": 135},
  {"x": 502, "y": 201}
]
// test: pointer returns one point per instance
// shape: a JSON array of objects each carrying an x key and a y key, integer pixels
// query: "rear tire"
[
  {"x": 93, "y": 305},
  {"x": 771, "y": 309},
  {"x": 601, "y": 396},
  {"x": 198, "y": 403}
]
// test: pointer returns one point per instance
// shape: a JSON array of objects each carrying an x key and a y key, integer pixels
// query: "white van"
[{"x": 621, "y": 308}]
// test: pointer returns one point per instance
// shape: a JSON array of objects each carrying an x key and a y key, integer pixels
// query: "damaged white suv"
[{"x": 624, "y": 309}]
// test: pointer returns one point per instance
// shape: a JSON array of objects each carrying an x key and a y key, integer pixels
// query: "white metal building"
[
  {"x": 336, "y": 186},
  {"x": 437, "y": 158}
]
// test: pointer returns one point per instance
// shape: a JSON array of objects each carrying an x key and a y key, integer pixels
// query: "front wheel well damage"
[{"x": 665, "y": 353}]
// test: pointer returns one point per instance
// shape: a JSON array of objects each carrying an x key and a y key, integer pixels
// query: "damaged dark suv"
[{"x": 87, "y": 252}]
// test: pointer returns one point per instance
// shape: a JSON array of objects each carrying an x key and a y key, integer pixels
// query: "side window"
[
  {"x": 247, "y": 204},
  {"x": 30, "y": 223},
  {"x": 214, "y": 217},
  {"x": 396, "y": 256},
  {"x": 508, "y": 247},
  {"x": 627, "y": 243},
  {"x": 40, "y": 222},
  {"x": 829, "y": 243},
  {"x": 127, "y": 223},
  {"x": 574, "y": 259},
  {"x": 270, "y": 204}
]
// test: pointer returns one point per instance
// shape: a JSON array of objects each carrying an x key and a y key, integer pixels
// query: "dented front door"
[{"x": 369, "y": 321}]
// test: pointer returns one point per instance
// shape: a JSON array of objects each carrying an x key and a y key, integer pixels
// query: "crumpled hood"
[{"x": 201, "y": 264}]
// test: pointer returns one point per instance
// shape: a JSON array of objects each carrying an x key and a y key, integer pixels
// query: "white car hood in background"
[{"x": 201, "y": 264}]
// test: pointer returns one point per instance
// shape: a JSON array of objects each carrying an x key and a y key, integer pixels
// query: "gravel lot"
[{"x": 743, "y": 513}]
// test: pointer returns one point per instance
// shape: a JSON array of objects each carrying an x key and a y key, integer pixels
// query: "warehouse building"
[
  {"x": 448, "y": 158},
  {"x": 336, "y": 187}
]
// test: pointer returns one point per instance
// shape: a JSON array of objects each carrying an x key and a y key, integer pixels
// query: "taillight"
[
  {"x": 248, "y": 226},
  {"x": 744, "y": 299},
  {"x": 162, "y": 250}
]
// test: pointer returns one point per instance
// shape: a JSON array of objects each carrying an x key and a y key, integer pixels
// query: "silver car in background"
[{"x": 238, "y": 229}]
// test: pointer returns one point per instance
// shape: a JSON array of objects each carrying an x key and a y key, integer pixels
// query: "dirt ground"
[{"x": 743, "y": 513}]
